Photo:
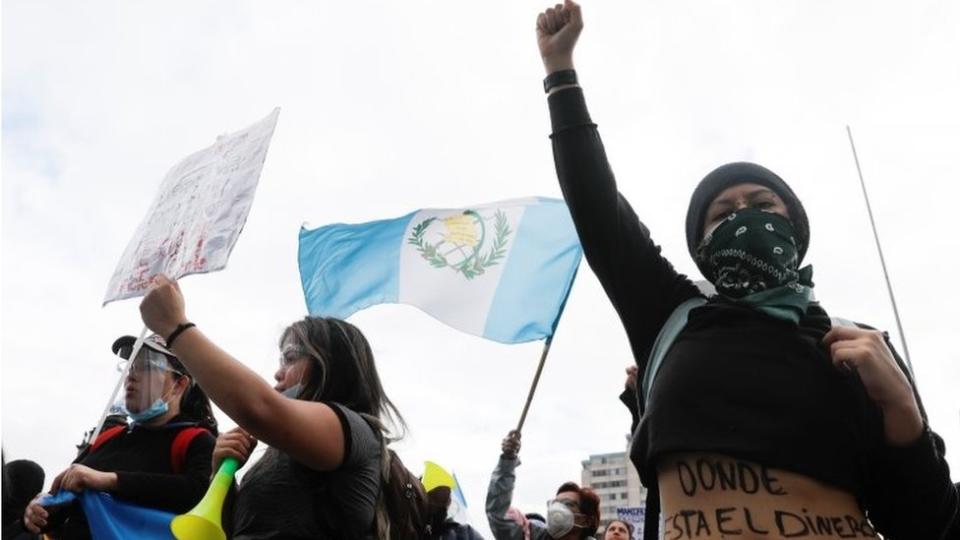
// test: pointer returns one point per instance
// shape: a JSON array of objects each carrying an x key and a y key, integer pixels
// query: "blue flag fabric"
[
  {"x": 501, "y": 271},
  {"x": 110, "y": 519}
]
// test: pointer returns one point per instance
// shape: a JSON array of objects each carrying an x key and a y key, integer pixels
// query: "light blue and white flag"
[
  {"x": 458, "y": 504},
  {"x": 501, "y": 271}
]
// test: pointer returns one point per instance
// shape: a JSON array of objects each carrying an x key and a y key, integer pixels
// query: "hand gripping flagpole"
[
  {"x": 536, "y": 379},
  {"x": 883, "y": 264},
  {"x": 123, "y": 377}
]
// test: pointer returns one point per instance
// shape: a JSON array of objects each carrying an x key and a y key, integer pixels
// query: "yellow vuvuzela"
[{"x": 203, "y": 522}]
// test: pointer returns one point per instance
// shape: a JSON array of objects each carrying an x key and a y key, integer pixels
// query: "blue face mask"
[
  {"x": 293, "y": 391},
  {"x": 158, "y": 408}
]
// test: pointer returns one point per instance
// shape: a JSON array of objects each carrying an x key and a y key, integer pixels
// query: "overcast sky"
[{"x": 392, "y": 106}]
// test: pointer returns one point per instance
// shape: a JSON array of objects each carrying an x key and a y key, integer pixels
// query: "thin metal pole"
[
  {"x": 883, "y": 263},
  {"x": 123, "y": 376},
  {"x": 536, "y": 379}
]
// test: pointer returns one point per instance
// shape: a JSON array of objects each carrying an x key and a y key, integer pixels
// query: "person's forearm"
[
  {"x": 916, "y": 498},
  {"x": 500, "y": 491},
  {"x": 239, "y": 391},
  {"x": 903, "y": 417},
  {"x": 586, "y": 179},
  {"x": 111, "y": 481},
  {"x": 902, "y": 424},
  {"x": 557, "y": 63},
  {"x": 499, "y": 499}
]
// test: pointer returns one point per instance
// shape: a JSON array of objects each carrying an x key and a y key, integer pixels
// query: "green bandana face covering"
[{"x": 751, "y": 257}]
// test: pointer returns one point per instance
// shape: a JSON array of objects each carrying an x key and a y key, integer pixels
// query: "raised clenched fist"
[{"x": 557, "y": 31}]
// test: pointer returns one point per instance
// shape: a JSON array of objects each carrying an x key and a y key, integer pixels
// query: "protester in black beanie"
[
  {"x": 754, "y": 380},
  {"x": 730, "y": 175}
]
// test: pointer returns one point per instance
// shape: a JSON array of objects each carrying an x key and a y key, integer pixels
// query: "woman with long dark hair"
[{"x": 326, "y": 422}]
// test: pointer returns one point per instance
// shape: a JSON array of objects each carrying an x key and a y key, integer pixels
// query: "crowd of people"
[{"x": 755, "y": 414}]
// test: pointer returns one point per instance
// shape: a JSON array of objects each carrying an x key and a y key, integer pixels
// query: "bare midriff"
[{"x": 715, "y": 496}]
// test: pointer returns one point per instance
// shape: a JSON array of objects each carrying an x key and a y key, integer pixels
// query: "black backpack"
[{"x": 404, "y": 501}]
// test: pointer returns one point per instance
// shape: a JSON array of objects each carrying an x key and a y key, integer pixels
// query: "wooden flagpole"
[{"x": 536, "y": 379}]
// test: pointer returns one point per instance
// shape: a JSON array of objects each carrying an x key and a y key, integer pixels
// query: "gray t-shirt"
[{"x": 281, "y": 498}]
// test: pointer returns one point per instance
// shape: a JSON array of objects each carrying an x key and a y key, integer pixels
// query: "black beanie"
[{"x": 732, "y": 174}]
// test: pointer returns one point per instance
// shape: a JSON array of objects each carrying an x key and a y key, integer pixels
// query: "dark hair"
[
  {"x": 343, "y": 371},
  {"x": 438, "y": 501},
  {"x": 626, "y": 524},
  {"x": 194, "y": 403},
  {"x": 589, "y": 506},
  {"x": 402, "y": 507},
  {"x": 22, "y": 480}
]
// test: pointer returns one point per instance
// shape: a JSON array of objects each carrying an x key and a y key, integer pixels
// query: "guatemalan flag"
[{"x": 501, "y": 271}]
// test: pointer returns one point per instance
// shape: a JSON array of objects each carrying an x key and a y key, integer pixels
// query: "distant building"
[{"x": 615, "y": 480}]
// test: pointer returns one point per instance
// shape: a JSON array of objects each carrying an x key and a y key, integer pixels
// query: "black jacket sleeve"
[
  {"x": 630, "y": 399},
  {"x": 172, "y": 492},
  {"x": 915, "y": 498},
  {"x": 912, "y": 496},
  {"x": 642, "y": 285}
]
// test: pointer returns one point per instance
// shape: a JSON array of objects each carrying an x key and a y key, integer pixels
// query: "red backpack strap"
[
  {"x": 106, "y": 435},
  {"x": 181, "y": 443}
]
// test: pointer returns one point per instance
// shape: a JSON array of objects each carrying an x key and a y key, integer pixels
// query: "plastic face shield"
[
  {"x": 147, "y": 379},
  {"x": 293, "y": 359}
]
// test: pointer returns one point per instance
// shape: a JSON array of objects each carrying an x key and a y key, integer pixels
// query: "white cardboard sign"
[{"x": 198, "y": 213}]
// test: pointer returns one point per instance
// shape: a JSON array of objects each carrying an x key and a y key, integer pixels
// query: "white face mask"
[{"x": 560, "y": 519}]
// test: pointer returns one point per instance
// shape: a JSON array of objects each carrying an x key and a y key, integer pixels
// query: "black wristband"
[
  {"x": 181, "y": 328},
  {"x": 559, "y": 78}
]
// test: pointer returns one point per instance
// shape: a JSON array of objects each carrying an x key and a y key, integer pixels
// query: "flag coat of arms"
[{"x": 501, "y": 270}]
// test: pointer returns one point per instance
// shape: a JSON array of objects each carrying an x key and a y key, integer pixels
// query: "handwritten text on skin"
[{"x": 705, "y": 475}]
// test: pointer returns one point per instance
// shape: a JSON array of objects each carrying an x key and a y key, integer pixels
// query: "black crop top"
[
  {"x": 735, "y": 381},
  {"x": 740, "y": 383}
]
